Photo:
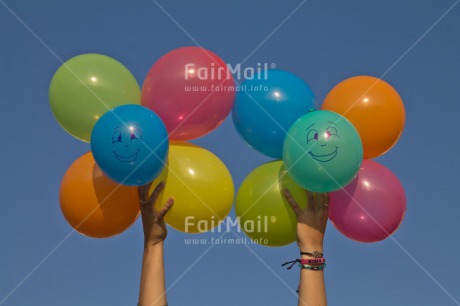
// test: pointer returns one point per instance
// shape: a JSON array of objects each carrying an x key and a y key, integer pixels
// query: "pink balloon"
[
  {"x": 191, "y": 89},
  {"x": 371, "y": 207}
]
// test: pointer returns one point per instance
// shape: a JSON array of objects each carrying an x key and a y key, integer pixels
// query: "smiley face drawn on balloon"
[
  {"x": 317, "y": 134},
  {"x": 322, "y": 151},
  {"x": 125, "y": 141}
]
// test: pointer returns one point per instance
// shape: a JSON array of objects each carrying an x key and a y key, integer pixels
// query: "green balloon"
[
  {"x": 322, "y": 151},
  {"x": 264, "y": 214},
  {"x": 85, "y": 87}
]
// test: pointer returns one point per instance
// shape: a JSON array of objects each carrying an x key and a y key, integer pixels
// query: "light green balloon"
[
  {"x": 85, "y": 87},
  {"x": 322, "y": 151},
  {"x": 265, "y": 215}
]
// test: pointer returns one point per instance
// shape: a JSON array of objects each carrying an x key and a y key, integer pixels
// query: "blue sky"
[{"x": 415, "y": 46}]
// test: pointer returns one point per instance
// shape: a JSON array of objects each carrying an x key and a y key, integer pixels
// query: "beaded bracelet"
[{"x": 315, "y": 268}]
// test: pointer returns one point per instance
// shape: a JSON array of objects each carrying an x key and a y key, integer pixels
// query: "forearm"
[
  {"x": 152, "y": 289},
  {"x": 312, "y": 291},
  {"x": 311, "y": 288},
  {"x": 311, "y": 225}
]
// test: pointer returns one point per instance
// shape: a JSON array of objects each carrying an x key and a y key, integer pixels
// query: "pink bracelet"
[{"x": 312, "y": 261}]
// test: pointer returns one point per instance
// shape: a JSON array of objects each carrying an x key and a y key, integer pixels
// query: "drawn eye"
[
  {"x": 116, "y": 137},
  {"x": 312, "y": 134},
  {"x": 136, "y": 134},
  {"x": 331, "y": 131}
]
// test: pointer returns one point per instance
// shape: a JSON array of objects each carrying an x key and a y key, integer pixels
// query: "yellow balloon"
[
  {"x": 201, "y": 186},
  {"x": 264, "y": 213}
]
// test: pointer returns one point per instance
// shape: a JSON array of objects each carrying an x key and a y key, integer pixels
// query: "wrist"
[
  {"x": 153, "y": 244},
  {"x": 310, "y": 248}
]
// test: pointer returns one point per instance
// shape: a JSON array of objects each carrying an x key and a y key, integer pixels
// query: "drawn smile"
[
  {"x": 324, "y": 158},
  {"x": 126, "y": 159}
]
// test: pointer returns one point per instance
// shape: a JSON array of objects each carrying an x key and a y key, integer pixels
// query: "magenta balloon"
[
  {"x": 371, "y": 207},
  {"x": 191, "y": 89}
]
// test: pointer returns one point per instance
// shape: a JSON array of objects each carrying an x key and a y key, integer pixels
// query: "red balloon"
[
  {"x": 371, "y": 207},
  {"x": 191, "y": 89}
]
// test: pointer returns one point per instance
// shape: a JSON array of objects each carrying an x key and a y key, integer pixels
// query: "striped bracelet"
[
  {"x": 315, "y": 262},
  {"x": 314, "y": 268}
]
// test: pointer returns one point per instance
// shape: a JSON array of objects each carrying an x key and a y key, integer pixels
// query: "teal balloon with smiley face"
[
  {"x": 322, "y": 151},
  {"x": 130, "y": 144}
]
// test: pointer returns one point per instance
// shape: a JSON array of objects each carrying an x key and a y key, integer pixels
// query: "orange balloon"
[
  {"x": 375, "y": 109},
  {"x": 93, "y": 204}
]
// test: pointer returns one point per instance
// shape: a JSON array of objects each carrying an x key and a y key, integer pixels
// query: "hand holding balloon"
[
  {"x": 311, "y": 221},
  {"x": 153, "y": 219},
  {"x": 152, "y": 288}
]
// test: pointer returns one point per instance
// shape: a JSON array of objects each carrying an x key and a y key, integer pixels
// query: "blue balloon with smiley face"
[
  {"x": 130, "y": 144},
  {"x": 322, "y": 151}
]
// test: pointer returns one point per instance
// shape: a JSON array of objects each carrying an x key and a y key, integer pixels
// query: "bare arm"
[
  {"x": 152, "y": 288},
  {"x": 311, "y": 225}
]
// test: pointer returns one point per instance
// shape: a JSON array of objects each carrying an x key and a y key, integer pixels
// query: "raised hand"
[
  {"x": 311, "y": 221},
  {"x": 152, "y": 218}
]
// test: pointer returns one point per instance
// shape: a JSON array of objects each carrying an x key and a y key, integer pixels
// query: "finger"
[
  {"x": 156, "y": 193},
  {"x": 325, "y": 205},
  {"x": 310, "y": 200},
  {"x": 166, "y": 208},
  {"x": 143, "y": 191},
  {"x": 292, "y": 202},
  {"x": 319, "y": 202},
  {"x": 319, "y": 199},
  {"x": 325, "y": 199}
]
